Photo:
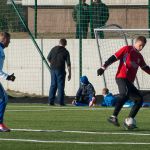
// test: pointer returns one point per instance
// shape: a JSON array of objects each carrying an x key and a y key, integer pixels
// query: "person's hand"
[
  {"x": 69, "y": 77},
  {"x": 100, "y": 71},
  {"x": 92, "y": 102},
  {"x": 76, "y": 98},
  {"x": 11, "y": 77}
]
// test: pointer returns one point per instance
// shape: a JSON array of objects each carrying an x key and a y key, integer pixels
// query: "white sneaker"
[
  {"x": 92, "y": 102},
  {"x": 3, "y": 128}
]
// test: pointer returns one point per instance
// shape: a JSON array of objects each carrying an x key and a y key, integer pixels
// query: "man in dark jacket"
[
  {"x": 82, "y": 19},
  {"x": 99, "y": 16},
  {"x": 57, "y": 58}
]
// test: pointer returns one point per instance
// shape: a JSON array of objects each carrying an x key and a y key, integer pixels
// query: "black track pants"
[{"x": 126, "y": 90}]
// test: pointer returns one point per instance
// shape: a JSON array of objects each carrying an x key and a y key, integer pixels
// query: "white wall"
[
  {"x": 74, "y": 2},
  {"x": 23, "y": 59}
]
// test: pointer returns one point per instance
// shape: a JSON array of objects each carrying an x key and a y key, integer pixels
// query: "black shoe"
[
  {"x": 114, "y": 121},
  {"x": 129, "y": 127},
  {"x": 62, "y": 105},
  {"x": 51, "y": 104}
]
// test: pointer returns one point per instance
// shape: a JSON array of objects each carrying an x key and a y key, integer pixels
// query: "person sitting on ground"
[
  {"x": 109, "y": 99},
  {"x": 86, "y": 94}
]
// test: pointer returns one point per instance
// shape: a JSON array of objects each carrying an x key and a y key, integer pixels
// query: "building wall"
[
  {"x": 52, "y": 20},
  {"x": 74, "y": 2},
  {"x": 60, "y": 20}
]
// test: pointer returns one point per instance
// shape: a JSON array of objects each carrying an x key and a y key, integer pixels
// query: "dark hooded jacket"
[
  {"x": 99, "y": 14},
  {"x": 83, "y": 16},
  {"x": 86, "y": 90}
]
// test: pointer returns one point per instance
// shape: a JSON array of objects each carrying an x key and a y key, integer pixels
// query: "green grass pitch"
[{"x": 71, "y": 128}]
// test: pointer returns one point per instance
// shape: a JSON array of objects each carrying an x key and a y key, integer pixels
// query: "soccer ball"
[{"x": 130, "y": 123}]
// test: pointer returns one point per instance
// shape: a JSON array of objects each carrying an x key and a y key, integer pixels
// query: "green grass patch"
[{"x": 43, "y": 117}]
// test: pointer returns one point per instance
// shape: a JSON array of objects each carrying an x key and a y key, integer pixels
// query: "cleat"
[
  {"x": 131, "y": 127},
  {"x": 114, "y": 121},
  {"x": 62, "y": 105},
  {"x": 3, "y": 128}
]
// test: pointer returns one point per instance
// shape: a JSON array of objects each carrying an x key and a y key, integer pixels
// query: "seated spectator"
[
  {"x": 108, "y": 100},
  {"x": 86, "y": 94},
  {"x": 128, "y": 104}
]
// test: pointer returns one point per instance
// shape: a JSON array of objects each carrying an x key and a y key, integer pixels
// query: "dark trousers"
[
  {"x": 3, "y": 102},
  {"x": 57, "y": 83},
  {"x": 84, "y": 99},
  {"x": 126, "y": 90},
  {"x": 83, "y": 30}
]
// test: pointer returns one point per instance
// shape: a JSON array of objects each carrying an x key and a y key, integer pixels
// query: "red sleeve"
[
  {"x": 144, "y": 66},
  {"x": 119, "y": 54}
]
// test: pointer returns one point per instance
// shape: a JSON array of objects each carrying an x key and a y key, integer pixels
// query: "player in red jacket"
[{"x": 130, "y": 60}]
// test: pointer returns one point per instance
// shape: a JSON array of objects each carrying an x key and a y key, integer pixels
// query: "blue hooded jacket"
[
  {"x": 86, "y": 89},
  {"x": 109, "y": 100}
]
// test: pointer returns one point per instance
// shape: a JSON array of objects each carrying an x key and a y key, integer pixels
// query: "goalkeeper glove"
[
  {"x": 111, "y": 60},
  {"x": 100, "y": 71},
  {"x": 11, "y": 77}
]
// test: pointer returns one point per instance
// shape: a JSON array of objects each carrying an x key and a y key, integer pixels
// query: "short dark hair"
[
  {"x": 5, "y": 34},
  {"x": 142, "y": 39},
  {"x": 63, "y": 42},
  {"x": 106, "y": 90}
]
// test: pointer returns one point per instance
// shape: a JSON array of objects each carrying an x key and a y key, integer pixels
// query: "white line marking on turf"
[
  {"x": 59, "y": 109},
  {"x": 64, "y": 109},
  {"x": 35, "y": 106},
  {"x": 46, "y": 106},
  {"x": 28, "y": 110},
  {"x": 75, "y": 142},
  {"x": 67, "y": 107},
  {"x": 85, "y": 132}
]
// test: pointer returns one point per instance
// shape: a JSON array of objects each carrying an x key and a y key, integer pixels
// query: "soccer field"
[{"x": 42, "y": 127}]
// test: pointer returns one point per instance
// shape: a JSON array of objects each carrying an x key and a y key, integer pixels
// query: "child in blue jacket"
[
  {"x": 85, "y": 95},
  {"x": 109, "y": 100}
]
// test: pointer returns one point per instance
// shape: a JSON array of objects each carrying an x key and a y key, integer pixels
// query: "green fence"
[
  {"x": 45, "y": 23},
  {"x": 54, "y": 21}
]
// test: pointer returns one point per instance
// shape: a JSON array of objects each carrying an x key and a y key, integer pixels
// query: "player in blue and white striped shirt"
[{"x": 4, "y": 42}]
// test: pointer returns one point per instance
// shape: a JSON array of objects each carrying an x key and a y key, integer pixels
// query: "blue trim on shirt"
[
  {"x": 2, "y": 58},
  {"x": 2, "y": 45}
]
